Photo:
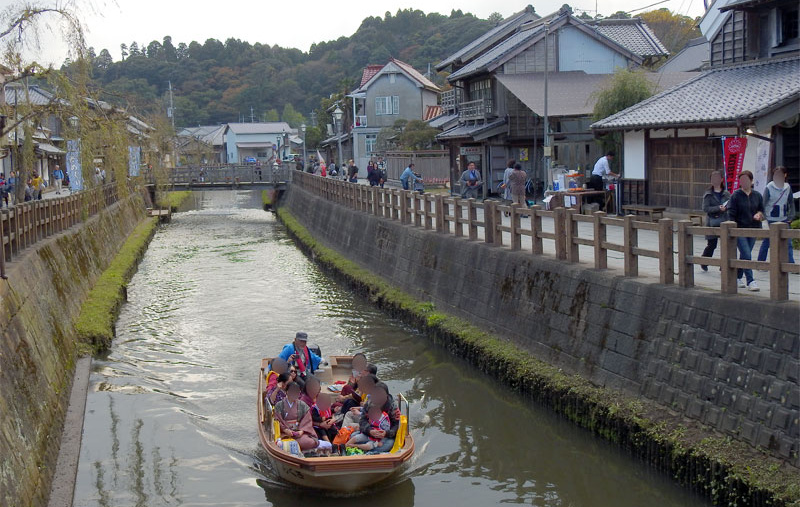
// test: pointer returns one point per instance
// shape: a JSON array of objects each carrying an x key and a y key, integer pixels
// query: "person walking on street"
[
  {"x": 38, "y": 185},
  {"x": 714, "y": 201},
  {"x": 746, "y": 208},
  {"x": 779, "y": 207},
  {"x": 352, "y": 171},
  {"x": 381, "y": 171},
  {"x": 58, "y": 176}
]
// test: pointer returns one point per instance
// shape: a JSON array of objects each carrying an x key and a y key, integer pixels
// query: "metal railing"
[
  {"x": 25, "y": 224},
  {"x": 460, "y": 217}
]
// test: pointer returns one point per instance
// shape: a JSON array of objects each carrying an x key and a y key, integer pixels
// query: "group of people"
[
  {"x": 361, "y": 419},
  {"x": 33, "y": 187},
  {"x": 749, "y": 209}
]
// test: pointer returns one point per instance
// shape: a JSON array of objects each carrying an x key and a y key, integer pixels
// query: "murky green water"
[{"x": 171, "y": 413}]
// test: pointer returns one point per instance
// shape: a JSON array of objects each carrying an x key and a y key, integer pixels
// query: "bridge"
[{"x": 225, "y": 177}]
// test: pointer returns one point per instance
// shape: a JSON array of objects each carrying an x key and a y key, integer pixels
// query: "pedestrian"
[
  {"x": 714, "y": 204},
  {"x": 746, "y": 208},
  {"x": 408, "y": 174},
  {"x": 602, "y": 169},
  {"x": 352, "y": 171},
  {"x": 11, "y": 184},
  {"x": 471, "y": 182},
  {"x": 96, "y": 175},
  {"x": 505, "y": 185},
  {"x": 58, "y": 176},
  {"x": 37, "y": 183},
  {"x": 517, "y": 181},
  {"x": 778, "y": 206},
  {"x": 373, "y": 176},
  {"x": 381, "y": 171}
]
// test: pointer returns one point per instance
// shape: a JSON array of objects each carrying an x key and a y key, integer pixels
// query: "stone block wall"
[
  {"x": 729, "y": 362},
  {"x": 42, "y": 296}
]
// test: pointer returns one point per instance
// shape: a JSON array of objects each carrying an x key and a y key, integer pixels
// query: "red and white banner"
[{"x": 733, "y": 149}]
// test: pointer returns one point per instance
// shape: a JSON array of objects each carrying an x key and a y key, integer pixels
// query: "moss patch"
[
  {"x": 266, "y": 198},
  {"x": 726, "y": 471},
  {"x": 95, "y": 324},
  {"x": 173, "y": 200}
]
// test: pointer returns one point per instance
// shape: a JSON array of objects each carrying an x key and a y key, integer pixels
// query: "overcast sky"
[{"x": 297, "y": 23}]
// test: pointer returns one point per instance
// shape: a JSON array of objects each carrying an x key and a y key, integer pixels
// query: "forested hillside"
[{"x": 217, "y": 81}]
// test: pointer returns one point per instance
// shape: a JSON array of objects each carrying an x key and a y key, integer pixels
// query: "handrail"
[
  {"x": 27, "y": 223},
  {"x": 452, "y": 215}
]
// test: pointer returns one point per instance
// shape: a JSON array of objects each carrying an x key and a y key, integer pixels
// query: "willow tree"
[{"x": 625, "y": 89}]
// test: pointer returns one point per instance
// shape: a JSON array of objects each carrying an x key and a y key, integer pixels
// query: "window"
[
  {"x": 393, "y": 78},
  {"x": 788, "y": 27},
  {"x": 261, "y": 154},
  {"x": 387, "y": 105},
  {"x": 371, "y": 141},
  {"x": 482, "y": 90}
]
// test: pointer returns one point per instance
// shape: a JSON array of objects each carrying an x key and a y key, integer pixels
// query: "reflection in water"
[{"x": 171, "y": 414}]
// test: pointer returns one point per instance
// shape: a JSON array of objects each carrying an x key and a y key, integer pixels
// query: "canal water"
[{"x": 171, "y": 411}]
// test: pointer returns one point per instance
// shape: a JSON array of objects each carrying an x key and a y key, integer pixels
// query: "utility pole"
[
  {"x": 171, "y": 111},
  {"x": 547, "y": 146},
  {"x": 252, "y": 115}
]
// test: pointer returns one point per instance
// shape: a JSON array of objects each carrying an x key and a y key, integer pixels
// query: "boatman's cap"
[{"x": 303, "y": 337}]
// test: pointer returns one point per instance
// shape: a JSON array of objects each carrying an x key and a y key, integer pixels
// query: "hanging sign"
[{"x": 733, "y": 149}]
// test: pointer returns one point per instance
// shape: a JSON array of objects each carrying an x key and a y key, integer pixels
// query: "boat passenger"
[
  {"x": 278, "y": 391},
  {"x": 358, "y": 365},
  {"x": 379, "y": 426},
  {"x": 322, "y": 417},
  {"x": 381, "y": 397},
  {"x": 299, "y": 356},
  {"x": 351, "y": 407},
  {"x": 276, "y": 367},
  {"x": 294, "y": 417},
  {"x": 310, "y": 391}
]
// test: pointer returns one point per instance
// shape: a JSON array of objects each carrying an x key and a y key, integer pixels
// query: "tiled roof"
[
  {"x": 574, "y": 93},
  {"x": 16, "y": 94},
  {"x": 473, "y": 131},
  {"x": 443, "y": 120},
  {"x": 496, "y": 33},
  {"x": 368, "y": 73},
  {"x": 633, "y": 34},
  {"x": 497, "y": 53},
  {"x": 693, "y": 56},
  {"x": 721, "y": 96}
]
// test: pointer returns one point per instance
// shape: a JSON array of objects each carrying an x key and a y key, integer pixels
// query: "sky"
[{"x": 297, "y": 23}]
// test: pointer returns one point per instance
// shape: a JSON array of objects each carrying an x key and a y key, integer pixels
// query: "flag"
[{"x": 733, "y": 149}]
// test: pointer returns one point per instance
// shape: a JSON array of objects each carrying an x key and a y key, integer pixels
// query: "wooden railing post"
[
  {"x": 536, "y": 228},
  {"x": 490, "y": 227},
  {"x": 458, "y": 215},
  {"x": 666, "y": 260},
  {"x": 631, "y": 241},
  {"x": 778, "y": 254},
  {"x": 439, "y": 208},
  {"x": 516, "y": 237},
  {"x": 559, "y": 218},
  {"x": 571, "y": 232},
  {"x": 727, "y": 252},
  {"x": 403, "y": 196},
  {"x": 600, "y": 252},
  {"x": 376, "y": 209},
  {"x": 472, "y": 213},
  {"x": 685, "y": 250},
  {"x": 428, "y": 210}
]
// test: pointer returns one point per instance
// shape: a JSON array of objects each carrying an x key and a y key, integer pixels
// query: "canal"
[{"x": 171, "y": 410}]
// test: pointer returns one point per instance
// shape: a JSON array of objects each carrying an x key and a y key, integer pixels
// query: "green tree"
[
  {"x": 418, "y": 135},
  {"x": 272, "y": 116},
  {"x": 292, "y": 117},
  {"x": 495, "y": 18},
  {"x": 626, "y": 88}
]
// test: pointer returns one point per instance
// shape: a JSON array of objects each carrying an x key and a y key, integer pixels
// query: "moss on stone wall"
[
  {"x": 95, "y": 324},
  {"x": 174, "y": 200},
  {"x": 726, "y": 471}
]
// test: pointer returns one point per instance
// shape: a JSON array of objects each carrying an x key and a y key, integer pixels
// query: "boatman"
[{"x": 298, "y": 355}]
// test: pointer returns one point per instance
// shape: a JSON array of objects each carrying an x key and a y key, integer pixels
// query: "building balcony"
[
  {"x": 481, "y": 109},
  {"x": 360, "y": 121},
  {"x": 448, "y": 100}
]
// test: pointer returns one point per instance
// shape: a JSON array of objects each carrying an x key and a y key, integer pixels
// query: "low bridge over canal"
[{"x": 224, "y": 177}]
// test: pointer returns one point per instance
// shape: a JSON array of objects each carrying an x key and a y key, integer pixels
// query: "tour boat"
[{"x": 334, "y": 473}]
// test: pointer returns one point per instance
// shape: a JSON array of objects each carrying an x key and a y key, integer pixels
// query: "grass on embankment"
[
  {"x": 95, "y": 324},
  {"x": 173, "y": 200},
  {"x": 266, "y": 198},
  {"x": 726, "y": 471}
]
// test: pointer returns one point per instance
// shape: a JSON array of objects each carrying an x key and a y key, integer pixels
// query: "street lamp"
[
  {"x": 337, "y": 119},
  {"x": 303, "y": 130},
  {"x": 278, "y": 157}
]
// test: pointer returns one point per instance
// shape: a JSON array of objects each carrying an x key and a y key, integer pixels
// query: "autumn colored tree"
[{"x": 673, "y": 30}]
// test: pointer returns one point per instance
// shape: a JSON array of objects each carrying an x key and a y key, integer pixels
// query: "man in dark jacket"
[{"x": 746, "y": 208}]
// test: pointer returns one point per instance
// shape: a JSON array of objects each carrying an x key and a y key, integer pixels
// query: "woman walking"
[
  {"x": 746, "y": 208},
  {"x": 779, "y": 207},
  {"x": 714, "y": 201}
]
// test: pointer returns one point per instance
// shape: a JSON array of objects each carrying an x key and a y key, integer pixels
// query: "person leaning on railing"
[
  {"x": 714, "y": 201},
  {"x": 746, "y": 208}
]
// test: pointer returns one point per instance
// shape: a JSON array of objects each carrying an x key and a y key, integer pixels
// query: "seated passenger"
[
  {"x": 380, "y": 397},
  {"x": 322, "y": 417},
  {"x": 359, "y": 364},
  {"x": 294, "y": 418},
  {"x": 278, "y": 391},
  {"x": 379, "y": 427},
  {"x": 351, "y": 407},
  {"x": 298, "y": 355},
  {"x": 276, "y": 367},
  {"x": 310, "y": 390}
]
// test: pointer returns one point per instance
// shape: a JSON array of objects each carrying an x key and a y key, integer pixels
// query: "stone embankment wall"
[
  {"x": 38, "y": 304},
  {"x": 728, "y": 362}
]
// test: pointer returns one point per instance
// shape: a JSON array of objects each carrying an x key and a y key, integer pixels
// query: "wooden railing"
[
  {"x": 27, "y": 223},
  {"x": 460, "y": 217}
]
